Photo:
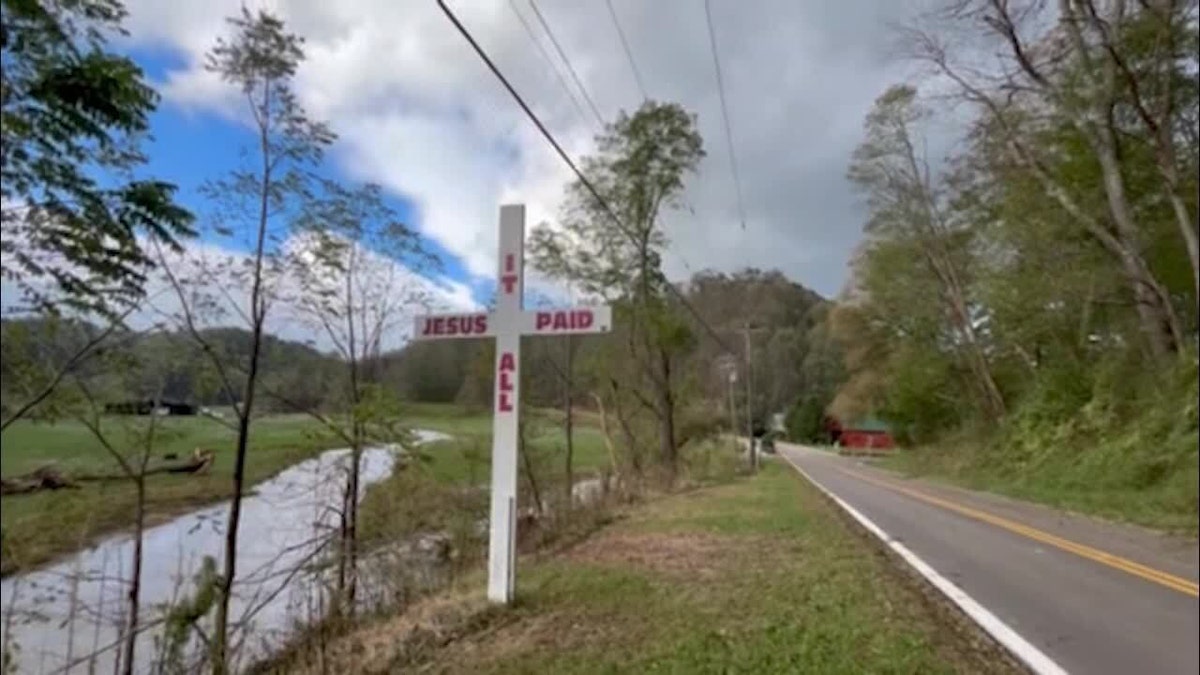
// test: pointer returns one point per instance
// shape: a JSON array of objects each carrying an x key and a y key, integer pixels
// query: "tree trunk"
[
  {"x": 568, "y": 426},
  {"x": 1187, "y": 229},
  {"x": 666, "y": 414},
  {"x": 258, "y": 318},
  {"x": 135, "y": 583},
  {"x": 612, "y": 452},
  {"x": 1158, "y": 320},
  {"x": 993, "y": 400},
  {"x": 351, "y": 543},
  {"x": 527, "y": 464}
]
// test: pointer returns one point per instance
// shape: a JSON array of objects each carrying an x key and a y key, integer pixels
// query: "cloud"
[
  {"x": 419, "y": 113},
  {"x": 214, "y": 285}
]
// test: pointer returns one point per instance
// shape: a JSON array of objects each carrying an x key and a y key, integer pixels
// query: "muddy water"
[{"x": 58, "y": 615}]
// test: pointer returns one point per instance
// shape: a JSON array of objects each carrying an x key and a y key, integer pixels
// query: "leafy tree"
[
  {"x": 71, "y": 116},
  {"x": 908, "y": 209},
  {"x": 260, "y": 59},
  {"x": 639, "y": 169},
  {"x": 1085, "y": 78}
]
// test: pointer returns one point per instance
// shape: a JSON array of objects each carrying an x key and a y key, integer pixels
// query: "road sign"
[{"x": 506, "y": 324}]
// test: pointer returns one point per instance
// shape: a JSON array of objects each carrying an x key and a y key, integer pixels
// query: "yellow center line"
[{"x": 1180, "y": 584}]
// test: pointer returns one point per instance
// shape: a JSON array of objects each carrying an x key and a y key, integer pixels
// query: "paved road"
[{"x": 1094, "y": 597}]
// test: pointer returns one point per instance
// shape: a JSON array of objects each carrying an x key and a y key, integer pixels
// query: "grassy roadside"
[
  {"x": 755, "y": 576},
  {"x": 1131, "y": 476},
  {"x": 1127, "y": 449},
  {"x": 41, "y": 526}
]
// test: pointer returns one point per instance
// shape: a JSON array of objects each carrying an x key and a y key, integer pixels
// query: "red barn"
[{"x": 865, "y": 436}]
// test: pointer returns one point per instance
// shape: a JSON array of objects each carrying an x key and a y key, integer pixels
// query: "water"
[{"x": 283, "y": 526}]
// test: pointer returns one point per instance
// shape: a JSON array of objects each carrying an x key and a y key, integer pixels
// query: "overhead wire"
[
  {"x": 562, "y": 81},
  {"x": 733, "y": 165},
  {"x": 563, "y": 55},
  {"x": 637, "y": 76},
  {"x": 583, "y": 180}
]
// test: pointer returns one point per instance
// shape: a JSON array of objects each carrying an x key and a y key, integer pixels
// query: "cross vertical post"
[{"x": 502, "y": 540}]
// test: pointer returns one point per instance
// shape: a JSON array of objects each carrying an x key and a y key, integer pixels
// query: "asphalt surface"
[{"x": 1119, "y": 600}]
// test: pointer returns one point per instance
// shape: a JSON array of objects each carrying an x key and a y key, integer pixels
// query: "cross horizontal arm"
[{"x": 561, "y": 321}]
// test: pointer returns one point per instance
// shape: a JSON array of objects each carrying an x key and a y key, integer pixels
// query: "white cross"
[{"x": 507, "y": 323}]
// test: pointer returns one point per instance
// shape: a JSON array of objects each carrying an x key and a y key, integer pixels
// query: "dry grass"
[{"x": 681, "y": 556}]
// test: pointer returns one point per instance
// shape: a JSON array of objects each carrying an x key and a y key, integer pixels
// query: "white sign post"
[{"x": 507, "y": 323}]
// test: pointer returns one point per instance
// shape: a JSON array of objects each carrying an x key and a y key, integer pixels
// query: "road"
[{"x": 1093, "y": 597}]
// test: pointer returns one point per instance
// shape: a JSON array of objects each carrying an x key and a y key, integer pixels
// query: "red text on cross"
[{"x": 505, "y": 371}]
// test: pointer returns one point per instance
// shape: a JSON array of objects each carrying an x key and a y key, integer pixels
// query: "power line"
[
  {"x": 587, "y": 184},
  {"x": 562, "y": 81},
  {"x": 563, "y": 55},
  {"x": 733, "y": 165},
  {"x": 637, "y": 76}
]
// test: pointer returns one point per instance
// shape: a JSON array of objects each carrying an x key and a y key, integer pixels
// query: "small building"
[
  {"x": 868, "y": 435},
  {"x": 148, "y": 407}
]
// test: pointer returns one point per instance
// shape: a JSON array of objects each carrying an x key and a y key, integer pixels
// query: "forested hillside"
[
  {"x": 793, "y": 358},
  {"x": 1030, "y": 300},
  {"x": 34, "y": 349}
]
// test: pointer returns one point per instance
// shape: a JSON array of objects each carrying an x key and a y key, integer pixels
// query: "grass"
[
  {"x": 1130, "y": 453},
  {"x": 1151, "y": 482},
  {"x": 41, "y": 526},
  {"x": 754, "y": 576},
  {"x": 423, "y": 498}
]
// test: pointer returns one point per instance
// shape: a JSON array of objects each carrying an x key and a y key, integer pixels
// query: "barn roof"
[{"x": 869, "y": 424}]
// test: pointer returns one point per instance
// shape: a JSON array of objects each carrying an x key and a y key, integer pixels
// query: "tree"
[
  {"x": 133, "y": 462},
  {"x": 350, "y": 286},
  {"x": 906, "y": 204},
  {"x": 1069, "y": 78},
  {"x": 71, "y": 116},
  {"x": 613, "y": 248},
  {"x": 259, "y": 59}
]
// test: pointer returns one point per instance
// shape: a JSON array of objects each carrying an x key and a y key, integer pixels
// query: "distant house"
[
  {"x": 147, "y": 407},
  {"x": 862, "y": 436}
]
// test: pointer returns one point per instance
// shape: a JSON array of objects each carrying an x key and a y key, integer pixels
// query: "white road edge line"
[{"x": 1021, "y": 648}]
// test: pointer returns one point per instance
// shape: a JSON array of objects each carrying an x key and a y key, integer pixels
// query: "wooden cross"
[{"x": 507, "y": 323}]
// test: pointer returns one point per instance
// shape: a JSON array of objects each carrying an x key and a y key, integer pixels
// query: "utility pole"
[
  {"x": 731, "y": 379},
  {"x": 750, "y": 399}
]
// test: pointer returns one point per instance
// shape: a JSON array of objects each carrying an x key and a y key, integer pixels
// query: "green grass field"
[
  {"x": 37, "y": 527},
  {"x": 759, "y": 575}
]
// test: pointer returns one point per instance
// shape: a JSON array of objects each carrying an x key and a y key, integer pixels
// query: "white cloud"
[
  {"x": 213, "y": 283},
  {"x": 418, "y": 112},
  {"x": 217, "y": 294}
]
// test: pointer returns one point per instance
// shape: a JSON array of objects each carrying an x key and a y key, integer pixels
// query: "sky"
[{"x": 417, "y": 111}]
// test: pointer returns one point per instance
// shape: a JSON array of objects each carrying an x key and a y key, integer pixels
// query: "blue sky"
[
  {"x": 191, "y": 146},
  {"x": 420, "y": 114}
]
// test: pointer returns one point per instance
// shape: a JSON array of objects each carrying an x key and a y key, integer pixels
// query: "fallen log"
[
  {"x": 200, "y": 461},
  {"x": 47, "y": 477},
  {"x": 51, "y": 477}
]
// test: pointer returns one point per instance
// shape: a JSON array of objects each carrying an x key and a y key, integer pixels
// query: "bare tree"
[
  {"x": 356, "y": 267},
  {"x": 132, "y": 455},
  {"x": 259, "y": 59}
]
